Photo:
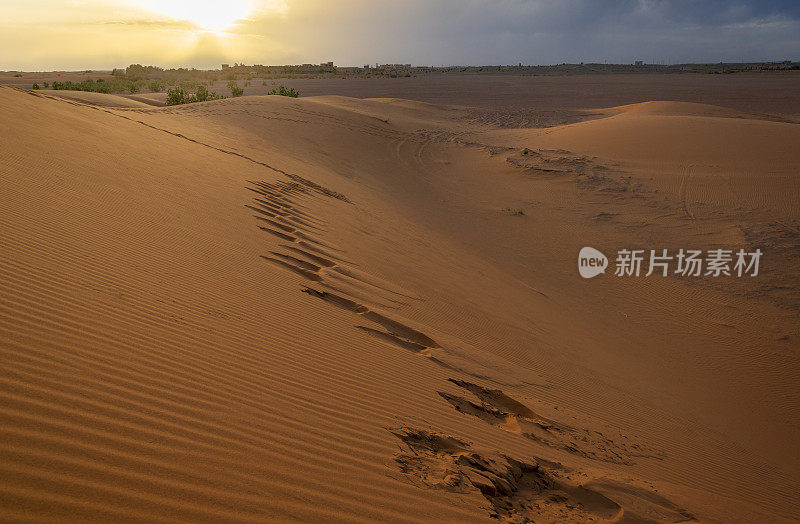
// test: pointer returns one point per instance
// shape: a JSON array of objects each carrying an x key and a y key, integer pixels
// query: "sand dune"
[
  {"x": 101, "y": 99},
  {"x": 357, "y": 310}
]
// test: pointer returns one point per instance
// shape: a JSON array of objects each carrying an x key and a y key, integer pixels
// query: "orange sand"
[{"x": 356, "y": 310}]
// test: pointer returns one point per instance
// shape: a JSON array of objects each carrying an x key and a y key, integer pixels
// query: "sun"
[{"x": 216, "y": 15}]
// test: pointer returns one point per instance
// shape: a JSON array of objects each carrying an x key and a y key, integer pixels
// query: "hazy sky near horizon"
[{"x": 101, "y": 34}]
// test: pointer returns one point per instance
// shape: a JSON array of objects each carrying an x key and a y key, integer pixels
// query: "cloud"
[
  {"x": 428, "y": 32},
  {"x": 536, "y": 31},
  {"x": 155, "y": 23}
]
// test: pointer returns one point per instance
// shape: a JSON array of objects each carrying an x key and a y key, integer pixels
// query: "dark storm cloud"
[
  {"x": 719, "y": 12},
  {"x": 539, "y": 32}
]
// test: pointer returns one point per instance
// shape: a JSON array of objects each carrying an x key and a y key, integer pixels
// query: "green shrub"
[
  {"x": 235, "y": 89},
  {"x": 36, "y": 86},
  {"x": 46, "y": 85},
  {"x": 178, "y": 95},
  {"x": 115, "y": 85},
  {"x": 202, "y": 94},
  {"x": 156, "y": 86},
  {"x": 282, "y": 91}
]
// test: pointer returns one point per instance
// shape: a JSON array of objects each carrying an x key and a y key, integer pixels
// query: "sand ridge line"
[{"x": 296, "y": 178}]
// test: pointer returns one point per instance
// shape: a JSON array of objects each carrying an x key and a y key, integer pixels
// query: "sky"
[{"x": 43, "y": 35}]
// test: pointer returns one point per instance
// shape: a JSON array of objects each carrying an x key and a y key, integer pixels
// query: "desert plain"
[{"x": 364, "y": 304}]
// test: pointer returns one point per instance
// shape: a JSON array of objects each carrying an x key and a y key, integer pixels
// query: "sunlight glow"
[{"x": 211, "y": 15}]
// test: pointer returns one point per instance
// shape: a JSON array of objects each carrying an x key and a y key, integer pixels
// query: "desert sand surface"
[
  {"x": 766, "y": 92},
  {"x": 339, "y": 308},
  {"x": 103, "y": 99},
  {"x": 518, "y": 96}
]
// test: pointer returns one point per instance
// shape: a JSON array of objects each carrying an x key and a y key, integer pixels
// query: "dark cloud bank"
[{"x": 435, "y": 32}]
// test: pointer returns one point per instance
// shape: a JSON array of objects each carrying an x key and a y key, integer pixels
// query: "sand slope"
[
  {"x": 101, "y": 99},
  {"x": 273, "y": 309}
]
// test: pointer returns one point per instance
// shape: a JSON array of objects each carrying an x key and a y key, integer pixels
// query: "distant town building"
[{"x": 638, "y": 63}]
